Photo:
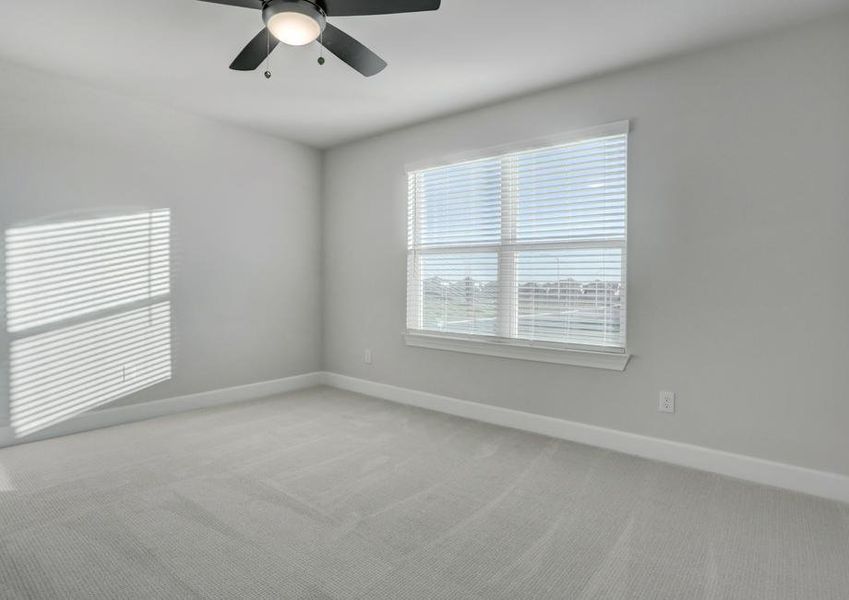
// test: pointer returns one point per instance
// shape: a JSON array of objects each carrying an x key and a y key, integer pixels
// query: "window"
[
  {"x": 88, "y": 313},
  {"x": 526, "y": 248}
]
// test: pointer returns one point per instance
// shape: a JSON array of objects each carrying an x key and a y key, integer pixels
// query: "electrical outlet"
[
  {"x": 666, "y": 402},
  {"x": 367, "y": 356}
]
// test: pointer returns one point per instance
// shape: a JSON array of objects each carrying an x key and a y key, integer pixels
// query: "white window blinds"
[{"x": 527, "y": 247}]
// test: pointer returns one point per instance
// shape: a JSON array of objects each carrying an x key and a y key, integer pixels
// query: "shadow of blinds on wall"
[{"x": 88, "y": 313}]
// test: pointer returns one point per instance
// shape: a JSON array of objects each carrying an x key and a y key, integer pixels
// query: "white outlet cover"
[
  {"x": 666, "y": 402},
  {"x": 367, "y": 356}
]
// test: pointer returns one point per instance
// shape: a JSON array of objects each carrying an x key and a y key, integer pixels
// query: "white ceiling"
[{"x": 468, "y": 53}]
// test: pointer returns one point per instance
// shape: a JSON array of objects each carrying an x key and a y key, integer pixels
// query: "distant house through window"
[
  {"x": 88, "y": 313},
  {"x": 526, "y": 247}
]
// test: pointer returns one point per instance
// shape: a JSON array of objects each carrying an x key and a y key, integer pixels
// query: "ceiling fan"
[{"x": 299, "y": 22}]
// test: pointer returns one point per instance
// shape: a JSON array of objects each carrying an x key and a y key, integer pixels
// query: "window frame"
[{"x": 505, "y": 345}]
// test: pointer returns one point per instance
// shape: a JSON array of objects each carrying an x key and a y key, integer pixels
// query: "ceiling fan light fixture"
[
  {"x": 293, "y": 22},
  {"x": 299, "y": 22}
]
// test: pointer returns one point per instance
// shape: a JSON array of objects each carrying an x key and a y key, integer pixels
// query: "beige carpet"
[{"x": 324, "y": 494}]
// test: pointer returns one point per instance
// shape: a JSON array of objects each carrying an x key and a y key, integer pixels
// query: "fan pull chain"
[
  {"x": 321, "y": 47},
  {"x": 267, "y": 54}
]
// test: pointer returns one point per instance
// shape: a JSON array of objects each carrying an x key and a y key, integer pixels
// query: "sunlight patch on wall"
[{"x": 88, "y": 312}]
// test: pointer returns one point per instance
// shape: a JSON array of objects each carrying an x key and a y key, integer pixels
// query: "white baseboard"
[
  {"x": 6, "y": 437},
  {"x": 800, "y": 479},
  {"x": 818, "y": 483},
  {"x": 107, "y": 417}
]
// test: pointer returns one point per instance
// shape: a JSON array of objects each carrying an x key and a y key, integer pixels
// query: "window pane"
[
  {"x": 573, "y": 296},
  {"x": 572, "y": 192},
  {"x": 459, "y": 292},
  {"x": 459, "y": 204},
  {"x": 528, "y": 245}
]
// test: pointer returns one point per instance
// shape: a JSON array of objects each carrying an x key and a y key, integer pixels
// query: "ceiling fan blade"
[
  {"x": 255, "y": 52},
  {"x": 243, "y": 3},
  {"x": 351, "y": 51},
  {"x": 351, "y": 8}
]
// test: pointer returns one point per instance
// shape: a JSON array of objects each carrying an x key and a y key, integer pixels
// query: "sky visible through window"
[{"x": 470, "y": 212}]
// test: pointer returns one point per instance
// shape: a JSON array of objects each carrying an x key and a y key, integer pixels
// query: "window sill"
[{"x": 579, "y": 358}]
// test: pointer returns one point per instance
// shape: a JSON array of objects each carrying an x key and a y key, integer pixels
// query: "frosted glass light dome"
[
  {"x": 294, "y": 28},
  {"x": 293, "y": 22}
]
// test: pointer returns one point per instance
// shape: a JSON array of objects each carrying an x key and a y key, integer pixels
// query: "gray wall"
[
  {"x": 245, "y": 219},
  {"x": 739, "y": 239}
]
